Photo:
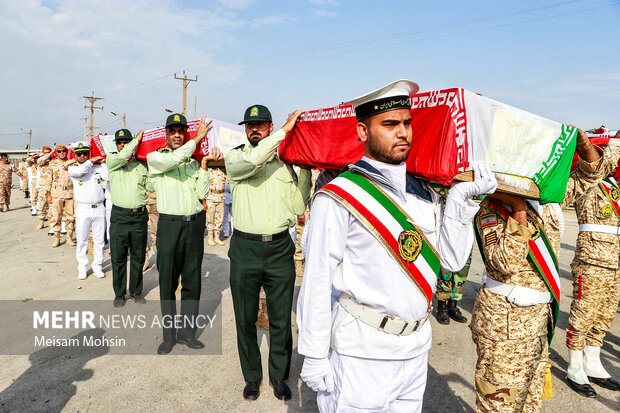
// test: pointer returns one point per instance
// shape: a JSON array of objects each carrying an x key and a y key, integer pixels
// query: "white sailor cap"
[
  {"x": 80, "y": 146},
  {"x": 390, "y": 97}
]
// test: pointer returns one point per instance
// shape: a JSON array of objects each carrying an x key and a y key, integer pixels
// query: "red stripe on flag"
[
  {"x": 386, "y": 234},
  {"x": 543, "y": 264}
]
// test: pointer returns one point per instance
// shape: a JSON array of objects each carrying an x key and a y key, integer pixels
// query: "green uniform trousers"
[
  {"x": 450, "y": 284},
  {"x": 128, "y": 230},
  {"x": 270, "y": 264},
  {"x": 180, "y": 248}
]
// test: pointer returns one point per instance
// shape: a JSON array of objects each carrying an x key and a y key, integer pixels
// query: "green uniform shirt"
[
  {"x": 179, "y": 181},
  {"x": 266, "y": 194},
  {"x": 129, "y": 180}
]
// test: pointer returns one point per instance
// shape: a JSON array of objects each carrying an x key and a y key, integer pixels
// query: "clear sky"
[{"x": 557, "y": 59}]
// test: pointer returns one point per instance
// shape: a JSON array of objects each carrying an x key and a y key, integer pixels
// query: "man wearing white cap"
[
  {"x": 87, "y": 177},
  {"x": 372, "y": 264}
]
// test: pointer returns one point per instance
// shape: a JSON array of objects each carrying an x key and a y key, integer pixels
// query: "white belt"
[
  {"x": 521, "y": 296},
  {"x": 386, "y": 323},
  {"x": 85, "y": 205},
  {"x": 609, "y": 229}
]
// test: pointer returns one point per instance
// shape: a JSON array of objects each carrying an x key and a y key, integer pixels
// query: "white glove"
[
  {"x": 484, "y": 183},
  {"x": 317, "y": 373}
]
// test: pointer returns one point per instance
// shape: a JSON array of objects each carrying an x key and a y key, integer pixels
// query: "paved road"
[{"x": 48, "y": 380}]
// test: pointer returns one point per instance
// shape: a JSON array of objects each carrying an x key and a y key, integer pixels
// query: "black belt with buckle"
[
  {"x": 185, "y": 218},
  {"x": 260, "y": 237},
  {"x": 139, "y": 209}
]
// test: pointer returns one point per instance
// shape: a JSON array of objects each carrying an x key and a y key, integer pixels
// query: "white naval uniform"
[
  {"x": 33, "y": 202},
  {"x": 89, "y": 211},
  {"x": 108, "y": 208},
  {"x": 343, "y": 256}
]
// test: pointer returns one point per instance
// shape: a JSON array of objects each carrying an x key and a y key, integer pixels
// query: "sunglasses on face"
[
  {"x": 82, "y": 154},
  {"x": 61, "y": 150}
]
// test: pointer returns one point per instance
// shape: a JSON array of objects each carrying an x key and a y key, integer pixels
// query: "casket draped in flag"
[
  {"x": 223, "y": 135},
  {"x": 452, "y": 130}
]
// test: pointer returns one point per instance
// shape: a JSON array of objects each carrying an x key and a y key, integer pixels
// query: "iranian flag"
[{"x": 452, "y": 129}]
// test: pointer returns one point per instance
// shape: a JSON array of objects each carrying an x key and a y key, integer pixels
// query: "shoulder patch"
[
  {"x": 488, "y": 220},
  {"x": 490, "y": 238}
]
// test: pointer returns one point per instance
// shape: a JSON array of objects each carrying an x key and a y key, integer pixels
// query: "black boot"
[
  {"x": 455, "y": 313},
  {"x": 442, "y": 312}
]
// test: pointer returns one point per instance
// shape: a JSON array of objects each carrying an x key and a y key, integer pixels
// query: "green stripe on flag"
[{"x": 552, "y": 178}]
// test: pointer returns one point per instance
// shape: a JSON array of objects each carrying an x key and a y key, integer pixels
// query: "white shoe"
[
  {"x": 592, "y": 363},
  {"x": 81, "y": 275},
  {"x": 99, "y": 274},
  {"x": 51, "y": 231},
  {"x": 63, "y": 228}
]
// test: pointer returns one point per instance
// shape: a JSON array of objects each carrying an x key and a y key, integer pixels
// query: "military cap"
[
  {"x": 3, "y": 155},
  {"x": 176, "y": 119},
  {"x": 80, "y": 147},
  {"x": 390, "y": 97},
  {"x": 123, "y": 135},
  {"x": 256, "y": 113}
]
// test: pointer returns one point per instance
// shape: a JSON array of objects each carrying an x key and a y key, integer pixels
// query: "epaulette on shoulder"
[
  {"x": 163, "y": 149},
  {"x": 240, "y": 146}
]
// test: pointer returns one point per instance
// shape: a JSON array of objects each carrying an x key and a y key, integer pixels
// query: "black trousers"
[
  {"x": 128, "y": 231},
  {"x": 180, "y": 248},
  {"x": 270, "y": 264}
]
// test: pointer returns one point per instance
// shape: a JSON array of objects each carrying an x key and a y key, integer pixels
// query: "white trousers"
[
  {"x": 87, "y": 218},
  {"x": 371, "y": 385}
]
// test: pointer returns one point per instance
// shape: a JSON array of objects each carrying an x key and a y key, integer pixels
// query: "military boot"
[
  {"x": 41, "y": 224},
  {"x": 210, "y": 240},
  {"x": 56, "y": 239},
  {"x": 70, "y": 238},
  {"x": 216, "y": 238},
  {"x": 442, "y": 312},
  {"x": 455, "y": 313}
]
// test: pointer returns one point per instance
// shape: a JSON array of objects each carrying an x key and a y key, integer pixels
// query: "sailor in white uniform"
[
  {"x": 362, "y": 309},
  {"x": 88, "y": 176}
]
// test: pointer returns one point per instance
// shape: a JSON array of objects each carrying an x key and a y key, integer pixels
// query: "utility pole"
[
  {"x": 124, "y": 119},
  {"x": 92, "y": 99},
  {"x": 185, "y": 84},
  {"x": 85, "y": 127},
  {"x": 195, "y": 101},
  {"x": 29, "y": 140},
  {"x": 96, "y": 128}
]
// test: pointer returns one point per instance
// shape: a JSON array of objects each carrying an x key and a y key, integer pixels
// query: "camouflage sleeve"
[
  {"x": 504, "y": 244},
  {"x": 588, "y": 174}
]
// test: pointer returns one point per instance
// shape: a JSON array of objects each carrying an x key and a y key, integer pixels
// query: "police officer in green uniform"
[
  {"x": 181, "y": 183},
  {"x": 129, "y": 181},
  {"x": 267, "y": 197}
]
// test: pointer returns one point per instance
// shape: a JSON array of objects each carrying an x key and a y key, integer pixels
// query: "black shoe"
[
  {"x": 119, "y": 301},
  {"x": 280, "y": 390},
  {"x": 190, "y": 342},
  {"x": 584, "y": 389},
  {"x": 251, "y": 390},
  {"x": 165, "y": 347},
  {"x": 138, "y": 299},
  {"x": 607, "y": 383},
  {"x": 442, "y": 312},
  {"x": 455, "y": 313}
]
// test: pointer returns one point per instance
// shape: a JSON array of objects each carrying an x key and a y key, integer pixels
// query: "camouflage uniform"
[
  {"x": 6, "y": 179},
  {"x": 43, "y": 188},
  {"x": 23, "y": 182},
  {"x": 596, "y": 271},
  {"x": 33, "y": 186},
  {"x": 450, "y": 284},
  {"x": 511, "y": 340},
  {"x": 61, "y": 188},
  {"x": 215, "y": 200}
]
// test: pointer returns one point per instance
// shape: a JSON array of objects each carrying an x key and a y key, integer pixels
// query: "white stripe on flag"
[{"x": 547, "y": 257}]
